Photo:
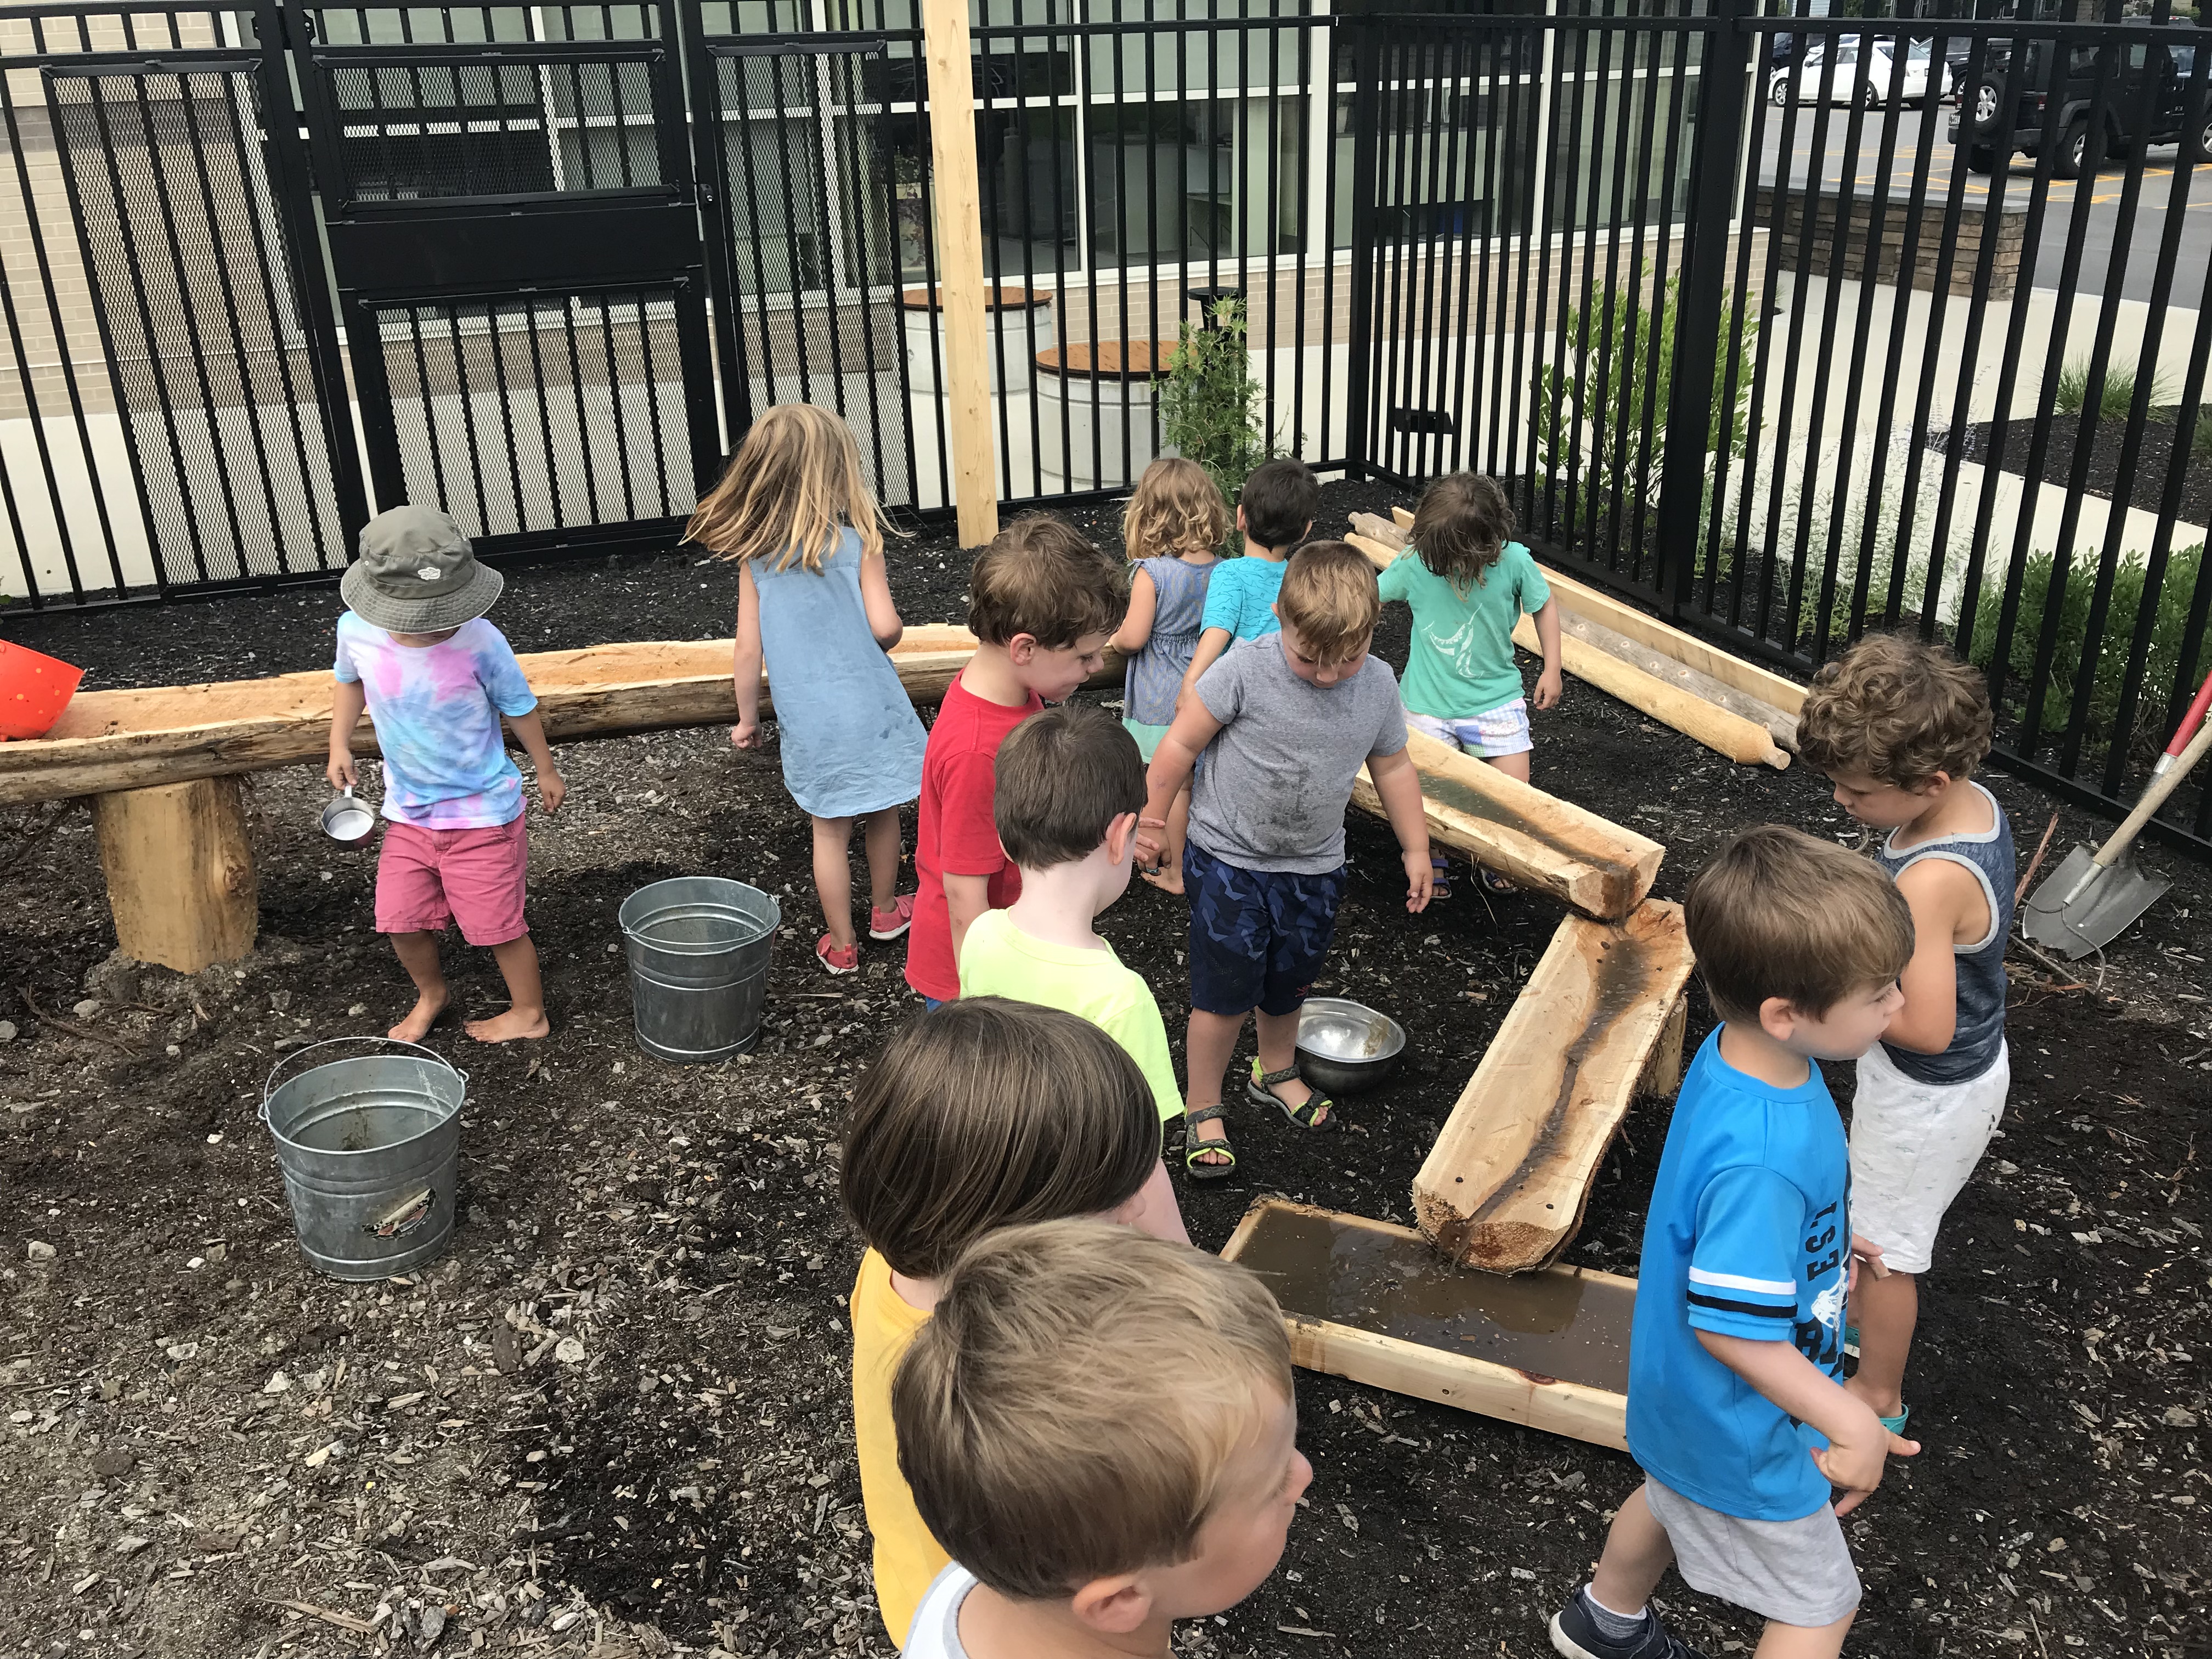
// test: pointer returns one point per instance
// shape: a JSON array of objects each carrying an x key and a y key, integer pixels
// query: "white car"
[{"x": 1864, "y": 74}]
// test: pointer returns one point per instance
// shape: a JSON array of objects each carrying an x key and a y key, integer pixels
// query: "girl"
[
  {"x": 947, "y": 1141},
  {"x": 814, "y": 604},
  {"x": 1468, "y": 584},
  {"x": 1173, "y": 529}
]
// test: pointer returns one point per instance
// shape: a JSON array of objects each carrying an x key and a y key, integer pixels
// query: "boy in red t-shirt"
[{"x": 1043, "y": 602}]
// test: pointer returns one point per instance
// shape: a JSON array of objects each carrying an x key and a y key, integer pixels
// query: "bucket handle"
[{"x": 269, "y": 1083}]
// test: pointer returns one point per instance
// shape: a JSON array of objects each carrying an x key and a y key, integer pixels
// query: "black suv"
[{"x": 2147, "y": 102}]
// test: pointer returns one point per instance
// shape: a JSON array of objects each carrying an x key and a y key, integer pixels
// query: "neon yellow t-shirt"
[
  {"x": 906, "y": 1555},
  {"x": 997, "y": 959}
]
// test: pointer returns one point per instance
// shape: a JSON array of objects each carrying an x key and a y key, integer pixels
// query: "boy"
[
  {"x": 1086, "y": 1507},
  {"x": 1736, "y": 1409},
  {"x": 413, "y": 648},
  {"x": 1069, "y": 790},
  {"x": 1285, "y": 721},
  {"x": 1898, "y": 726},
  {"x": 1043, "y": 602},
  {"x": 1274, "y": 511}
]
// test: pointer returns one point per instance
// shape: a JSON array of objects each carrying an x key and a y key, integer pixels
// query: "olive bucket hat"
[{"x": 417, "y": 575}]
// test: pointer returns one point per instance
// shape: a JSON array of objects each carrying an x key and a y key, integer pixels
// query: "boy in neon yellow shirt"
[{"x": 1070, "y": 784}]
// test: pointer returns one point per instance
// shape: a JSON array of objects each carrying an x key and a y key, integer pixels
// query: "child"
[
  {"x": 413, "y": 649},
  {"x": 1274, "y": 511},
  {"x": 1898, "y": 726},
  {"x": 794, "y": 511},
  {"x": 1043, "y": 602},
  {"x": 1088, "y": 1507},
  {"x": 1172, "y": 531},
  {"x": 978, "y": 1114},
  {"x": 1736, "y": 1408},
  {"x": 1467, "y": 582},
  {"x": 1285, "y": 722},
  {"x": 1070, "y": 787}
]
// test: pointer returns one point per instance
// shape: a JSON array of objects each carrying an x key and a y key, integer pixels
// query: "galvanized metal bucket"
[
  {"x": 698, "y": 949},
  {"x": 370, "y": 1149}
]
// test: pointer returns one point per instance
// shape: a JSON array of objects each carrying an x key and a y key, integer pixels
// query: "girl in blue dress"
[{"x": 814, "y": 607}]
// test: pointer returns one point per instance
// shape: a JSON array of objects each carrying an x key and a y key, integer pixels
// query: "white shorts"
[
  {"x": 1500, "y": 730},
  {"x": 1913, "y": 1145}
]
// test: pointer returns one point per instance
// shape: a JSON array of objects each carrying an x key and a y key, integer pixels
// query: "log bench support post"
[{"x": 179, "y": 868}]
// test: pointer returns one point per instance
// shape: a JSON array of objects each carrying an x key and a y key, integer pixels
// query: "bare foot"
[
  {"x": 515, "y": 1024},
  {"x": 1200, "y": 1138},
  {"x": 420, "y": 1018},
  {"x": 1159, "y": 879}
]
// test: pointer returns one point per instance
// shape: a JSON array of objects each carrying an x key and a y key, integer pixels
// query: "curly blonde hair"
[
  {"x": 1177, "y": 511},
  {"x": 1898, "y": 710},
  {"x": 789, "y": 490}
]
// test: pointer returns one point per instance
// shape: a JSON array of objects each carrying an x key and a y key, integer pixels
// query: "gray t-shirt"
[{"x": 1271, "y": 788}]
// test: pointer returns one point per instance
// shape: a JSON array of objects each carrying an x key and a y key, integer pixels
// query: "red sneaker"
[
  {"x": 893, "y": 922},
  {"x": 834, "y": 960}
]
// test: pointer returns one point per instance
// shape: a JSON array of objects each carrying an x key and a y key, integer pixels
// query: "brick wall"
[{"x": 1841, "y": 227}]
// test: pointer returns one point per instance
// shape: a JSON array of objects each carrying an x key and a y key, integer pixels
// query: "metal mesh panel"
[
  {"x": 808, "y": 205},
  {"x": 541, "y": 414},
  {"x": 200, "y": 322}
]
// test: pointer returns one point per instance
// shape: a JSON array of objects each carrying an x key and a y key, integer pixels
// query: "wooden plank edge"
[
  {"x": 1272, "y": 1202},
  {"x": 1727, "y": 734}
]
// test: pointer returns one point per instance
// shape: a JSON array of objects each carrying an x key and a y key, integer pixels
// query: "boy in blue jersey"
[{"x": 1737, "y": 1413}]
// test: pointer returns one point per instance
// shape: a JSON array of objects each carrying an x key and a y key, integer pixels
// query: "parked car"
[
  {"x": 2146, "y": 101},
  {"x": 1864, "y": 74}
]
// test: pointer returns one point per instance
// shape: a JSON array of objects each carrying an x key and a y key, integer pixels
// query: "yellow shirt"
[
  {"x": 997, "y": 959},
  {"x": 907, "y": 1557}
]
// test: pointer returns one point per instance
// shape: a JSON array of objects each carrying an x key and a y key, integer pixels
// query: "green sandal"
[
  {"x": 1193, "y": 1148},
  {"x": 1318, "y": 1115}
]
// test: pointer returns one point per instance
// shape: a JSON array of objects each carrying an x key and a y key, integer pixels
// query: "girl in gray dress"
[{"x": 814, "y": 607}]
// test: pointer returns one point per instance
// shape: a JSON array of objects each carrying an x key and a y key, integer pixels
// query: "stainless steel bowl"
[{"x": 1345, "y": 1047}]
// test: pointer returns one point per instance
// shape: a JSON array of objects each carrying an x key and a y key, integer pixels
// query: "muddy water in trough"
[{"x": 1558, "y": 1324}]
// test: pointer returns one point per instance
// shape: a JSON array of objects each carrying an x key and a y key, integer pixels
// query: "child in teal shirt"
[{"x": 1274, "y": 511}]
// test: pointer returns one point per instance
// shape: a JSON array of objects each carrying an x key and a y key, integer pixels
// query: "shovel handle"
[
  {"x": 2188, "y": 723},
  {"x": 2154, "y": 796}
]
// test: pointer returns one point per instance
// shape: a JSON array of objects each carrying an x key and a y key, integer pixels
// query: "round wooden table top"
[
  {"x": 1110, "y": 360},
  {"x": 994, "y": 298}
]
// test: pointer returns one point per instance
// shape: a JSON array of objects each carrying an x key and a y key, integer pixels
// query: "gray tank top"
[{"x": 1980, "y": 1031}]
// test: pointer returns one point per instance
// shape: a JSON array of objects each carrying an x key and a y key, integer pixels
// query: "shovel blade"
[{"x": 2106, "y": 907}]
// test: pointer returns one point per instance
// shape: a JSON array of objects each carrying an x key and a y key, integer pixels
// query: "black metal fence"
[{"x": 1751, "y": 332}]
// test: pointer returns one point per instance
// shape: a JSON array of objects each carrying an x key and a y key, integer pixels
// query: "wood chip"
[{"x": 343, "y": 1620}]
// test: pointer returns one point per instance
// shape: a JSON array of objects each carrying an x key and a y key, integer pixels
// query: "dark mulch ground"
[
  {"x": 2151, "y": 459},
  {"x": 680, "y": 1473}
]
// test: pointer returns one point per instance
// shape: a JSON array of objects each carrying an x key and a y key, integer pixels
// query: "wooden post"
[
  {"x": 959, "y": 219},
  {"x": 179, "y": 868}
]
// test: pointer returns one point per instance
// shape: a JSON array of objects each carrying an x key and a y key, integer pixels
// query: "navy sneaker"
[{"x": 1575, "y": 1635}]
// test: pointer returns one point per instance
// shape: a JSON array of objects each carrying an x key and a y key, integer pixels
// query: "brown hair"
[
  {"x": 1073, "y": 1405},
  {"x": 1280, "y": 502},
  {"x": 1177, "y": 511},
  {"x": 1897, "y": 709},
  {"x": 1040, "y": 577},
  {"x": 986, "y": 1112},
  {"x": 1777, "y": 913},
  {"x": 1063, "y": 776},
  {"x": 786, "y": 490},
  {"x": 1462, "y": 526},
  {"x": 1328, "y": 595}
]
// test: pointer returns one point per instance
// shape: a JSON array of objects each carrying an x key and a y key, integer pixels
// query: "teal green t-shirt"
[
  {"x": 1241, "y": 597},
  {"x": 1461, "y": 663}
]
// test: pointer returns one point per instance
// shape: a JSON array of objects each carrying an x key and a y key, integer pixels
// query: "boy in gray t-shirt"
[{"x": 1285, "y": 722}]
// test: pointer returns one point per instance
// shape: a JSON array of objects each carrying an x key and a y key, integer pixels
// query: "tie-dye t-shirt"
[{"x": 436, "y": 710}]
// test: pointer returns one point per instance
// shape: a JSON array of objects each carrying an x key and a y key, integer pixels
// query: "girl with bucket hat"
[{"x": 415, "y": 650}]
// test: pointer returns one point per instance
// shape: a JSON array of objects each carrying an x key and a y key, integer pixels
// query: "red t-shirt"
[{"x": 956, "y": 834}]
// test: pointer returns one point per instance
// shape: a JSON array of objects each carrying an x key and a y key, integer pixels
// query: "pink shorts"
[{"x": 428, "y": 878}]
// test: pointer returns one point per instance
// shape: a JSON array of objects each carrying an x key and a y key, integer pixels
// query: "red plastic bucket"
[{"x": 34, "y": 688}]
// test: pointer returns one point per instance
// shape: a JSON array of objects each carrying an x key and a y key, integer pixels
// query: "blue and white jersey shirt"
[{"x": 1748, "y": 1235}]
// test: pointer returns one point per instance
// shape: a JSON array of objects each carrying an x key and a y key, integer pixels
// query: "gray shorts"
[{"x": 1795, "y": 1572}]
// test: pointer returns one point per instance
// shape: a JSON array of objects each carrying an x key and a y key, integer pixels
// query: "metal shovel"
[{"x": 2084, "y": 904}]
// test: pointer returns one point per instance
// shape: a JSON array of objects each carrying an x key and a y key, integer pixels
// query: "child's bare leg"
[
  {"x": 1802, "y": 1641},
  {"x": 526, "y": 996},
  {"x": 418, "y": 955},
  {"x": 1514, "y": 766},
  {"x": 1210, "y": 1041},
  {"x": 1637, "y": 1553},
  {"x": 1278, "y": 1050},
  {"x": 833, "y": 878},
  {"x": 1885, "y": 1310},
  {"x": 880, "y": 835}
]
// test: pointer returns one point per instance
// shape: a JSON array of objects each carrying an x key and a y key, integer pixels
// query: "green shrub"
[
  {"x": 2164, "y": 669},
  {"x": 1209, "y": 401},
  {"x": 2200, "y": 439},
  {"x": 2072, "y": 394}
]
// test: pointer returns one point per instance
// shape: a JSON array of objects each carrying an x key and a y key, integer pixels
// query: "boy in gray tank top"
[{"x": 1899, "y": 726}]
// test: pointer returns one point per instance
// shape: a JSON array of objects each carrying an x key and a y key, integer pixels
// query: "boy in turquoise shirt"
[{"x": 1274, "y": 511}]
